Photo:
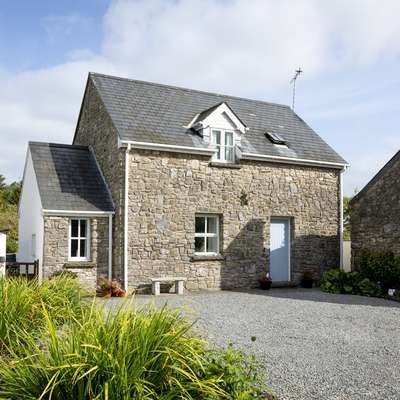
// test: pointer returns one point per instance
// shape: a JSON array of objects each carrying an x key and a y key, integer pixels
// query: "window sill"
[
  {"x": 216, "y": 257},
  {"x": 79, "y": 264},
  {"x": 216, "y": 164}
]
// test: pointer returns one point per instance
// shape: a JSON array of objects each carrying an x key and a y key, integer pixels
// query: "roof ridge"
[
  {"x": 62, "y": 145},
  {"x": 187, "y": 89},
  {"x": 372, "y": 181}
]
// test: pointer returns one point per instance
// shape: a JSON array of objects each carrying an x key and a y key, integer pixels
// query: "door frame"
[{"x": 289, "y": 221}]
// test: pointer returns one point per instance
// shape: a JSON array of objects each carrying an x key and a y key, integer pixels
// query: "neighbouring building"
[
  {"x": 375, "y": 213},
  {"x": 164, "y": 181}
]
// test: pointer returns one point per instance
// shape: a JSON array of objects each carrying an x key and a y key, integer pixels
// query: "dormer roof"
[{"x": 202, "y": 120}]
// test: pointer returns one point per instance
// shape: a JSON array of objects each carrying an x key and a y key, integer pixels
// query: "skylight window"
[{"x": 275, "y": 138}]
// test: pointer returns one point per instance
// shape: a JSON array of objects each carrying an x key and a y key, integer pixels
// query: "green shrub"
[
  {"x": 126, "y": 354},
  {"x": 382, "y": 268},
  {"x": 21, "y": 311},
  {"x": 241, "y": 374},
  {"x": 368, "y": 288},
  {"x": 338, "y": 281}
]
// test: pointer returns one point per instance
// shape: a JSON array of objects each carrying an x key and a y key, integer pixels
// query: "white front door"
[{"x": 279, "y": 266}]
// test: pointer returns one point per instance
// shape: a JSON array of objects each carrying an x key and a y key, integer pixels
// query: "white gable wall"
[
  {"x": 220, "y": 120},
  {"x": 30, "y": 221}
]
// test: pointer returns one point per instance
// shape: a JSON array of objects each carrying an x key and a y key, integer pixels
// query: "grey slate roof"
[
  {"x": 69, "y": 178},
  {"x": 156, "y": 113},
  {"x": 376, "y": 178}
]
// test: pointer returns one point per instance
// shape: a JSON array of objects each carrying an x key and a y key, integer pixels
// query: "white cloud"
[{"x": 241, "y": 47}]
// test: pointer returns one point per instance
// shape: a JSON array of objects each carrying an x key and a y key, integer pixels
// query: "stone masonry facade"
[
  {"x": 375, "y": 214},
  {"x": 55, "y": 255},
  {"x": 96, "y": 130},
  {"x": 167, "y": 190}
]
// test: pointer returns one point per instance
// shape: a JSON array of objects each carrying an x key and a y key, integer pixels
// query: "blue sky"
[{"x": 349, "y": 50}]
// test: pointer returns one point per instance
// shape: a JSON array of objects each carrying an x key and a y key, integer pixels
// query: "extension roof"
[
  {"x": 69, "y": 178},
  {"x": 160, "y": 114}
]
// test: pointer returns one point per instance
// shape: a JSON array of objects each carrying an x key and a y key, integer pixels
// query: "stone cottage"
[
  {"x": 165, "y": 181},
  {"x": 375, "y": 213}
]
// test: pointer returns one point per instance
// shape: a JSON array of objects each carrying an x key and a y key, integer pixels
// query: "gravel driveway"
[{"x": 314, "y": 345}]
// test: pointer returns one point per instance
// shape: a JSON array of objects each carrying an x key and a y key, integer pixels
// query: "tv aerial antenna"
[{"x": 293, "y": 81}]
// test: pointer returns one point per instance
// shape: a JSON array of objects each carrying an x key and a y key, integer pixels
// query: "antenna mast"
[{"x": 294, "y": 79}]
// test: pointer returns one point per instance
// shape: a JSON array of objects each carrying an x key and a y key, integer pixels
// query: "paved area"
[{"x": 314, "y": 345}]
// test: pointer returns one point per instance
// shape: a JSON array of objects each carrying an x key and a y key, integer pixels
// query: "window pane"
[
  {"x": 200, "y": 225},
  {"x": 216, "y": 137},
  {"x": 74, "y": 248},
  {"x": 212, "y": 244},
  {"x": 83, "y": 248},
  {"x": 211, "y": 225},
  {"x": 74, "y": 227},
  {"x": 228, "y": 138},
  {"x": 199, "y": 245},
  {"x": 218, "y": 154},
  {"x": 229, "y": 154},
  {"x": 83, "y": 227}
]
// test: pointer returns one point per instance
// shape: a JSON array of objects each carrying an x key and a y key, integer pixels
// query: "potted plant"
[
  {"x": 266, "y": 282},
  {"x": 307, "y": 280},
  {"x": 107, "y": 288}
]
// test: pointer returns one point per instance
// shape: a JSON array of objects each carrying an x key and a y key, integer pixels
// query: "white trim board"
[
  {"x": 69, "y": 213},
  {"x": 290, "y": 160},
  {"x": 168, "y": 147},
  {"x": 245, "y": 156}
]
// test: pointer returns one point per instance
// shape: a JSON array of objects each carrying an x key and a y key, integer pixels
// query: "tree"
[
  {"x": 346, "y": 218},
  {"x": 9, "y": 199}
]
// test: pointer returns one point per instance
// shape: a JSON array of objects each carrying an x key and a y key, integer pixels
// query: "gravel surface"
[{"x": 314, "y": 345}]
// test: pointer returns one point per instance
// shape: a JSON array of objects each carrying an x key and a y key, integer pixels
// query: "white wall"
[
  {"x": 347, "y": 255},
  {"x": 30, "y": 221}
]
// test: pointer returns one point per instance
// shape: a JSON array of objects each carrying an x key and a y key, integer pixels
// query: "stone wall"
[
  {"x": 96, "y": 129},
  {"x": 375, "y": 214},
  {"x": 55, "y": 250},
  {"x": 168, "y": 189}
]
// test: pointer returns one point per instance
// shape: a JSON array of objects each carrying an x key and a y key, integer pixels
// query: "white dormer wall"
[{"x": 221, "y": 118}]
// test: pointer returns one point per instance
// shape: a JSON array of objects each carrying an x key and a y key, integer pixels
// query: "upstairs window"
[
  {"x": 79, "y": 240},
  {"x": 223, "y": 141},
  {"x": 206, "y": 240}
]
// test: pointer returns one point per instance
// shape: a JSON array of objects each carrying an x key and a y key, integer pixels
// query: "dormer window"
[
  {"x": 221, "y": 129},
  {"x": 224, "y": 143}
]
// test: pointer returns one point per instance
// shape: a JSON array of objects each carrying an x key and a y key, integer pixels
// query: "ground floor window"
[
  {"x": 206, "y": 241},
  {"x": 79, "y": 239}
]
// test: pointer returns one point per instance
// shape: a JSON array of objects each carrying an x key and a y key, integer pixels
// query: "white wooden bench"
[{"x": 155, "y": 284}]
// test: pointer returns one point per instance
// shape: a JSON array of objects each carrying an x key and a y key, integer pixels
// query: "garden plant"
[{"x": 77, "y": 350}]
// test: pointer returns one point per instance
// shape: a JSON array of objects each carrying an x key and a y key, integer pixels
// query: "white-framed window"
[
  {"x": 79, "y": 244},
  {"x": 224, "y": 142},
  {"x": 206, "y": 238}
]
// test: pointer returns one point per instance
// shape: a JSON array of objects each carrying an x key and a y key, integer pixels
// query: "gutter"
[
  {"x": 168, "y": 147},
  {"x": 77, "y": 213},
  {"x": 296, "y": 161},
  {"x": 126, "y": 219}
]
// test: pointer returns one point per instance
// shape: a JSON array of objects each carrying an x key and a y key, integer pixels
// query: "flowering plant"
[{"x": 107, "y": 288}]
